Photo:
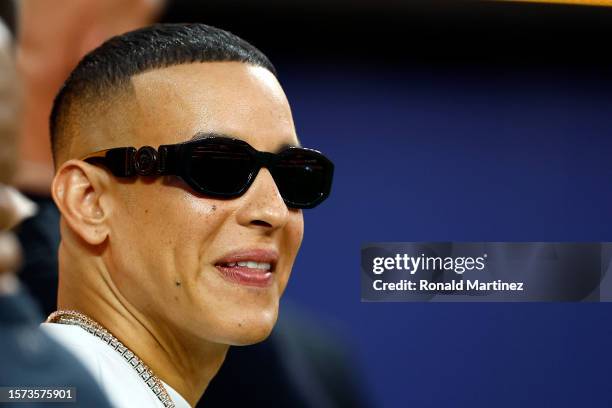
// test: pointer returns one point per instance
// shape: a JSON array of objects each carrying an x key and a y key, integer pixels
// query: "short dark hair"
[{"x": 112, "y": 64}]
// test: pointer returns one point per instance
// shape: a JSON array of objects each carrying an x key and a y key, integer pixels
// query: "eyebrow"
[{"x": 204, "y": 135}]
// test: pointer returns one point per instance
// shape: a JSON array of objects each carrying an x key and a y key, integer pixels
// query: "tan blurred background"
[{"x": 51, "y": 40}]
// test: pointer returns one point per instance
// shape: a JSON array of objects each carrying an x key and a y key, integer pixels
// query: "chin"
[{"x": 247, "y": 330}]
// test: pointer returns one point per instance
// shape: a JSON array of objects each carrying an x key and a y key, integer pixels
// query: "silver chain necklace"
[{"x": 72, "y": 317}]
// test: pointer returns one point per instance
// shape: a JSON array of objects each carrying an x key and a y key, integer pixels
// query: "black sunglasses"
[{"x": 224, "y": 167}]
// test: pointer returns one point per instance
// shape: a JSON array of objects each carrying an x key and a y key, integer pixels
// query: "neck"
[{"x": 184, "y": 362}]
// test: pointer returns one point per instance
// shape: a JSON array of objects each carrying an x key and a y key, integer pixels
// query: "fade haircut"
[{"x": 108, "y": 69}]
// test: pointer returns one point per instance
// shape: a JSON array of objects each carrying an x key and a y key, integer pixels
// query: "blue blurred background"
[
  {"x": 479, "y": 121},
  {"x": 454, "y": 157}
]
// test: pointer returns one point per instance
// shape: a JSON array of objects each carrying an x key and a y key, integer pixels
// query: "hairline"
[
  {"x": 127, "y": 89},
  {"x": 111, "y": 68}
]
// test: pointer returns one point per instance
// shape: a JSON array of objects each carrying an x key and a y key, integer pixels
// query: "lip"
[{"x": 248, "y": 276}]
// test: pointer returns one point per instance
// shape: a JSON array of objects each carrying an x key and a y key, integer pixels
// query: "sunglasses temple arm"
[
  {"x": 168, "y": 159},
  {"x": 120, "y": 161}
]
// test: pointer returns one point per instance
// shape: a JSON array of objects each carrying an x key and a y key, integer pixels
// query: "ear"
[{"x": 80, "y": 190}]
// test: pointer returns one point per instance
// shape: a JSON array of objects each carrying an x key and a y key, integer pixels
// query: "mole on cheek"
[
  {"x": 213, "y": 208},
  {"x": 177, "y": 284}
]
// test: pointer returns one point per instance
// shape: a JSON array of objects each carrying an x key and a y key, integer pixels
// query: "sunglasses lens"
[
  {"x": 220, "y": 169},
  {"x": 303, "y": 177}
]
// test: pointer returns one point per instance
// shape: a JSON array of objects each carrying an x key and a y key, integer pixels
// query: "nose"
[{"x": 263, "y": 205}]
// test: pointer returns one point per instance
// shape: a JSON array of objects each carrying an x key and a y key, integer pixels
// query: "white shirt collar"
[{"x": 117, "y": 379}]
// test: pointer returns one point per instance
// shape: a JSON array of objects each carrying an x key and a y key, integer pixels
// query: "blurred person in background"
[
  {"x": 29, "y": 358},
  {"x": 52, "y": 38}
]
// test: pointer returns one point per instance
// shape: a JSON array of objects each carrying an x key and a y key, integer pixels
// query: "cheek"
[
  {"x": 296, "y": 231},
  {"x": 158, "y": 233},
  {"x": 184, "y": 227},
  {"x": 292, "y": 240}
]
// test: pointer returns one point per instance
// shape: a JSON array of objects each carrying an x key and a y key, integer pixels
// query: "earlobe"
[{"x": 77, "y": 191}]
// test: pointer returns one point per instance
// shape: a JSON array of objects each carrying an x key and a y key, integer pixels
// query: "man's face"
[{"x": 165, "y": 239}]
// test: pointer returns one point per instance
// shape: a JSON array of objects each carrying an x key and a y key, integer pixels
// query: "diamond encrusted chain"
[{"x": 75, "y": 318}]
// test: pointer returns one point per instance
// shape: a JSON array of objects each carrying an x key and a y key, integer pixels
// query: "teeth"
[{"x": 251, "y": 264}]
